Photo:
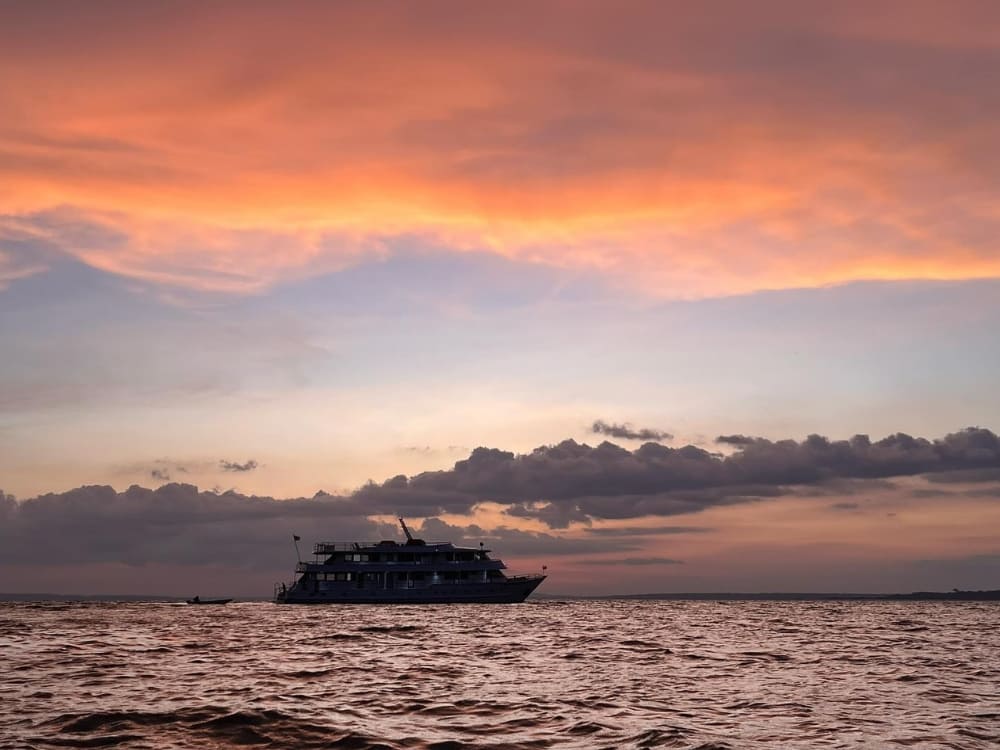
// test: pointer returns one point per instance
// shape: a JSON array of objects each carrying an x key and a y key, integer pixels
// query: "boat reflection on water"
[{"x": 410, "y": 572}]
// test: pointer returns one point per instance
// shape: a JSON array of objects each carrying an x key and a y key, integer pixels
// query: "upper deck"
[
  {"x": 414, "y": 555},
  {"x": 391, "y": 555},
  {"x": 414, "y": 546}
]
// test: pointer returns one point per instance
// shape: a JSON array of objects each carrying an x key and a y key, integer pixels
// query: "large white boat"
[{"x": 410, "y": 572}]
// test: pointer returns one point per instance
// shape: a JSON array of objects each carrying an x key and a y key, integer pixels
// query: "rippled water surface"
[{"x": 547, "y": 674}]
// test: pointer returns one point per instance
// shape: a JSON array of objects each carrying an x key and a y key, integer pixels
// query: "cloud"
[
  {"x": 162, "y": 471},
  {"x": 965, "y": 475},
  {"x": 233, "y": 466},
  {"x": 8, "y": 505},
  {"x": 633, "y": 561},
  {"x": 640, "y": 531},
  {"x": 175, "y": 524},
  {"x": 739, "y": 441},
  {"x": 563, "y": 483},
  {"x": 518, "y": 542},
  {"x": 984, "y": 492},
  {"x": 568, "y": 482},
  {"x": 841, "y": 486},
  {"x": 180, "y": 525},
  {"x": 771, "y": 151},
  {"x": 626, "y": 432}
]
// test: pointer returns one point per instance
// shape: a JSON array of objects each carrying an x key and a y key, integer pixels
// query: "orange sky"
[
  {"x": 333, "y": 242},
  {"x": 235, "y": 146}
]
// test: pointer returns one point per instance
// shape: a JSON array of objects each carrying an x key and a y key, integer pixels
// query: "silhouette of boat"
[
  {"x": 199, "y": 600},
  {"x": 411, "y": 572}
]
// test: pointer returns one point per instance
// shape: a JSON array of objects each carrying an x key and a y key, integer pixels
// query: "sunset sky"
[{"x": 277, "y": 250}]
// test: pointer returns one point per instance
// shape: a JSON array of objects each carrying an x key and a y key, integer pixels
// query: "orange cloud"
[{"x": 233, "y": 147}]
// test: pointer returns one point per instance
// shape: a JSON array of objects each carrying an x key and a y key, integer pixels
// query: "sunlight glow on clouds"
[
  {"x": 283, "y": 250},
  {"x": 782, "y": 148}
]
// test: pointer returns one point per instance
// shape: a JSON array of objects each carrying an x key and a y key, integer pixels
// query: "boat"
[
  {"x": 199, "y": 600},
  {"x": 410, "y": 572}
]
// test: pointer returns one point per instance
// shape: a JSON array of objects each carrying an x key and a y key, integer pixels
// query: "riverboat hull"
[{"x": 509, "y": 591}]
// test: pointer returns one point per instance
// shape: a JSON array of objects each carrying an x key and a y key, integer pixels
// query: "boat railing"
[
  {"x": 415, "y": 566},
  {"x": 328, "y": 548}
]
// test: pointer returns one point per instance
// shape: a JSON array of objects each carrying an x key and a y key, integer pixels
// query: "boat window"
[{"x": 356, "y": 557}]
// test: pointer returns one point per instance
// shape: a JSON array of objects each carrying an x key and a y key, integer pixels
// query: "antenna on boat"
[{"x": 409, "y": 536}]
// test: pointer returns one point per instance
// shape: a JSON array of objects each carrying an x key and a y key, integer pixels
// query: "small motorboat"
[{"x": 199, "y": 600}]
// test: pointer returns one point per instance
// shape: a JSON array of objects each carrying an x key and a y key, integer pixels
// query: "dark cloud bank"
[{"x": 559, "y": 484}]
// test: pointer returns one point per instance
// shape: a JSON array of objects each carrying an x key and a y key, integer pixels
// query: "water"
[{"x": 548, "y": 674}]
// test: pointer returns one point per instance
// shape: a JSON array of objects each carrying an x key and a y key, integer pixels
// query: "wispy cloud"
[
  {"x": 641, "y": 531},
  {"x": 737, "y": 440},
  {"x": 845, "y": 506},
  {"x": 625, "y": 431},
  {"x": 632, "y": 561},
  {"x": 238, "y": 467}
]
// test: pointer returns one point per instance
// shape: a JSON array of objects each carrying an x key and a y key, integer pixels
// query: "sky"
[{"x": 612, "y": 287}]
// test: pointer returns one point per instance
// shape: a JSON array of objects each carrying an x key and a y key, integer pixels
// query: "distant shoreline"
[{"x": 923, "y": 596}]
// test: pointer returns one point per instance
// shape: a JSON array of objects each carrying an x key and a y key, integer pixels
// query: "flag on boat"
[{"x": 296, "y": 537}]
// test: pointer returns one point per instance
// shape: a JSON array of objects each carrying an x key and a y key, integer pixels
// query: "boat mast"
[{"x": 409, "y": 536}]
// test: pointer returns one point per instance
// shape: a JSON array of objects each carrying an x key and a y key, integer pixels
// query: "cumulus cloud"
[
  {"x": 175, "y": 524},
  {"x": 8, "y": 505},
  {"x": 568, "y": 482},
  {"x": 625, "y": 431},
  {"x": 238, "y": 467},
  {"x": 557, "y": 484}
]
